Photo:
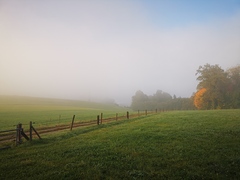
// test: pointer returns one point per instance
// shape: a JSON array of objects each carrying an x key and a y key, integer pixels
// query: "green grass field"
[
  {"x": 168, "y": 145},
  {"x": 47, "y": 112}
]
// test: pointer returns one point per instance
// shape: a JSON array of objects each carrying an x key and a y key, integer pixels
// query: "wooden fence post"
[
  {"x": 146, "y": 112},
  {"x": 72, "y": 122},
  {"x": 116, "y": 116},
  {"x": 138, "y": 113},
  {"x": 97, "y": 119},
  {"x": 127, "y": 115},
  {"x": 18, "y": 134}
]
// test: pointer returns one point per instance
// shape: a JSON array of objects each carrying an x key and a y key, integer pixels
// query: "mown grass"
[
  {"x": 169, "y": 145},
  {"x": 46, "y": 112}
]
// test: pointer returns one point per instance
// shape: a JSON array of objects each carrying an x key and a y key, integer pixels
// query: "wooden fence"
[{"x": 17, "y": 135}]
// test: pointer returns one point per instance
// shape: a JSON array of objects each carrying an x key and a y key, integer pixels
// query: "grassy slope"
[
  {"x": 172, "y": 145},
  {"x": 44, "y": 111}
]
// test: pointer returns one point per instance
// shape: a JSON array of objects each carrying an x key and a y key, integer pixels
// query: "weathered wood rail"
[{"x": 16, "y": 135}]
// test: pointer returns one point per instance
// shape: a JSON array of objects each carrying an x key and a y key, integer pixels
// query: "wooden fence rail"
[{"x": 18, "y": 134}]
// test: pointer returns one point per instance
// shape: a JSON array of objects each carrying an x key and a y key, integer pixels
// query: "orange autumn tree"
[{"x": 199, "y": 98}]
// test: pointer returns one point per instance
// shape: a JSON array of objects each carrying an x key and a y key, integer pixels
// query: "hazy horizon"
[{"x": 93, "y": 50}]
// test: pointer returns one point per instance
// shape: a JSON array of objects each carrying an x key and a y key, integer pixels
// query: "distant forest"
[
  {"x": 217, "y": 89},
  {"x": 161, "y": 101}
]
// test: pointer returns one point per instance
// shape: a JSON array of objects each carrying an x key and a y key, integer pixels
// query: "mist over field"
[{"x": 107, "y": 50}]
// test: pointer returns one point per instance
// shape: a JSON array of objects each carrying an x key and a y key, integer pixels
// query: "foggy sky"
[{"x": 110, "y": 49}]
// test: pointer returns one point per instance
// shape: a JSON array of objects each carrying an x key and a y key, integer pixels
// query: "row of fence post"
[
  {"x": 20, "y": 133},
  {"x": 100, "y": 118}
]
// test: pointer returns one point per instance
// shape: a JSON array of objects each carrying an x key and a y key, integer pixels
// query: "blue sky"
[
  {"x": 175, "y": 13},
  {"x": 100, "y": 49}
]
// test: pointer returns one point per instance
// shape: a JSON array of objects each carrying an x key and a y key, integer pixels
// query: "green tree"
[
  {"x": 139, "y": 101},
  {"x": 160, "y": 100},
  {"x": 234, "y": 87},
  {"x": 214, "y": 79},
  {"x": 181, "y": 104},
  {"x": 161, "y": 96}
]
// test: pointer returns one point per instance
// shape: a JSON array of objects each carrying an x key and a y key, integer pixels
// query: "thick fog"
[{"x": 94, "y": 50}]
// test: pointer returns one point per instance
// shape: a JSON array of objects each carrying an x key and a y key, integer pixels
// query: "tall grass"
[{"x": 170, "y": 145}]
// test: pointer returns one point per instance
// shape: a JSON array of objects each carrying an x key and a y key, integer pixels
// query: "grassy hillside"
[
  {"x": 169, "y": 145},
  {"x": 44, "y": 111}
]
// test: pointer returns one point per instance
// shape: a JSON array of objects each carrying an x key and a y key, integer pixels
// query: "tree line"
[
  {"x": 217, "y": 89},
  {"x": 160, "y": 100}
]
